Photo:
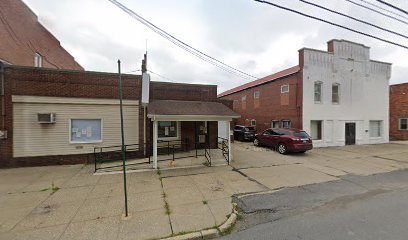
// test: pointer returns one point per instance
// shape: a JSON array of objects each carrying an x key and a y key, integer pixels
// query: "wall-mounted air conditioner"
[{"x": 46, "y": 117}]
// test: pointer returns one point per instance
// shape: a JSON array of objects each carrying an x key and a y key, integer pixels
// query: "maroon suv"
[{"x": 284, "y": 140}]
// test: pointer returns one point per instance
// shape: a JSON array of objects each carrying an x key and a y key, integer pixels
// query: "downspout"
[
  {"x": 2, "y": 92},
  {"x": 144, "y": 130}
]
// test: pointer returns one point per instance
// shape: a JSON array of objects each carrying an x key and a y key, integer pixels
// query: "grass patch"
[
  {"x": 45, "y": 189},
  {"x": 205, "y": 202},
  {"x": 164, "y": 195},
  {"x": 54, "y": 188},
  {"x": 167, "y": 207},
  {"x": 207, "y": 164},
  {"x": 158, "y": 172}
]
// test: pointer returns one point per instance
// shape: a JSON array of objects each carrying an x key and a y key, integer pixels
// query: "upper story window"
[
  {"x": 243, "y": 99},
  {"x": 403, "y": 124},
  {"x": 37, "y": 60},
  {"x": 257, "y": 94},
  {"x": 284, "y": 88},
  {"x": 243, "y": 102},
  {"x": 336, "y": 93},
  {"x": 235, "y": 104},
  {"x": 318, "y": 92}
]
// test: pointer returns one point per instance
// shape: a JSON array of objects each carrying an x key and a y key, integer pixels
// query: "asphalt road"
[{"x": 370, "y": 207}]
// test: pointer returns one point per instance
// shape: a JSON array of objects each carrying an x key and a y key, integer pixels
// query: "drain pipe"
[{"x": 2, "y": 92}]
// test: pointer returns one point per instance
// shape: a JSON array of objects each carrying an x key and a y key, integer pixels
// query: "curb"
[{"x": 209, "y": 233}]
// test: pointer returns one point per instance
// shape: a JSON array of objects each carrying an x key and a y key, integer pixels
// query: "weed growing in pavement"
[
  {"x": 167, "y": 207},
  {"x": 205, "y": 202},
  {"x": 54, "y": 188}
]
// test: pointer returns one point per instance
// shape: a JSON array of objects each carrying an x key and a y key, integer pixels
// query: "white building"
[{"x": 345, "y": 95}]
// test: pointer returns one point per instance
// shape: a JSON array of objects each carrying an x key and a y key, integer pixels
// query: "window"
[
  {"x": 85, "y": 130},
  {"x": 375, "y": 128},
  {"x": 335, "y": 93},
  {"x": 235, "y": 104},
  {"x": 253, "y": 122},
  {"x": 37, "y": 60},
  {"x": 403, "y": 124},
  {"x": 243, "y": 100},
  {"x": 318, "y": 92},
  {"x": 275, "y": 124},
  {"x": 284, "y": 88},
  {"x": 286, "y": 123},
  {"x": 167, "y": 129},
  {"x": 257, "y": 94},
  {"x": 316, "y": 129}
]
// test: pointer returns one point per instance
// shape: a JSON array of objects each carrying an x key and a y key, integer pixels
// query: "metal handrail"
[{"x": 224, "y": 148}]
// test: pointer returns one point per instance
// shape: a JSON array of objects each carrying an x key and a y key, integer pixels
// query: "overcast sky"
[{"x": 255, "y": 38}]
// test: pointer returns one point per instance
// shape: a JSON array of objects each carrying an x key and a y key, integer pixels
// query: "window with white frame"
[
  {"x": 336, "y": 93},
  {"x": 318, "y": 92},
  {"x": 316, "y": 129},
  {"x": 275, "y": 124},
  {"x": 286, "y": 123},
  {"x": 375, "y": 128},
  {"x": 257, "y": 94},
  {"x": 403, "y": 124},
  {"x": 253, "y": 122},
  {"x": 167, "y": 129},
  {"x": 85, "y": 130},
  {"x": 284, "y": 88},
  {"x": 37, "y": 60}
]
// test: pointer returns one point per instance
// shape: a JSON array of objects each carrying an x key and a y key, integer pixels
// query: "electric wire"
[
  {"x": 353, "y": 18},
  {"x": 384, "y": 9},
  {"x": 203, "y": 56},
  {"x": 392, "y": 6},
  {"x": 372, "y": 9},
  {"x": 332, "y": 23}
]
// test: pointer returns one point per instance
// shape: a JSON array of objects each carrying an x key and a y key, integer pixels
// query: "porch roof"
[{"x": 189, "y": 111}]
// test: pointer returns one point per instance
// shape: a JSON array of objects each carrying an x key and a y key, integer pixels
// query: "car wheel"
[
  {"x": 256, "y": 142},
  {"x": 282, "y": 148}
]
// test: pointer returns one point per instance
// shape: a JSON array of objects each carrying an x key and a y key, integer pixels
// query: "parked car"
[
  {"x": 284, "y": 140},
  {"x": 242, "y": 133}
]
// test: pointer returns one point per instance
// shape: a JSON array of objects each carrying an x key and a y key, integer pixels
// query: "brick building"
[
  {"x": 399, "y": 111},
  {"x": 83, "y": 112},
  {"x": 338, "y": 96},
  {"x": 24, "y": 41}
]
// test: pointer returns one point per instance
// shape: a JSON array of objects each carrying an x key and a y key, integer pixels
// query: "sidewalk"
[{"x": 69, "y": 202}]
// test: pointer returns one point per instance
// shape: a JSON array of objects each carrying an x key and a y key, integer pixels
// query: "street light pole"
[{"x": 123, "y": 140}]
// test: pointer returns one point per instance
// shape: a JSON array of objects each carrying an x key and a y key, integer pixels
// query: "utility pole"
[{"x": 123, "y": 140}]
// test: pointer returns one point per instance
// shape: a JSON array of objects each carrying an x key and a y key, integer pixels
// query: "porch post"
[
  {"x": 229, "y": 140},
  {"x": 155, "y": 133}
]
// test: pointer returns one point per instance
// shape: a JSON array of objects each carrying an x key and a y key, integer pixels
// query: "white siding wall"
[
  {"x": 363, "y": 93},
  {"x": 34, "y": 139}
]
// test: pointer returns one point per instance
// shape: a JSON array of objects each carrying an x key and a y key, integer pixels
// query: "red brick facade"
[
  {"x": 31, "y": 81},
  {"x": 57, "y": 83},
  {"x": 22, "y": 36},
  {"x": 271, "y": 104},
  {"x": 398, "y": 110}
]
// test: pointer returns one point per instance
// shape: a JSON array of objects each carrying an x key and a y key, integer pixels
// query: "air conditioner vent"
[{"x": 46, "y": 117}]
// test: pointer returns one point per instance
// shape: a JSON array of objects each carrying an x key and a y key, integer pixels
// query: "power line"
[
  {"x": 392, "y": 6},
  {"x": 183, "y": 45},
  {"x": 372, "y": 9},
  {"x": 331, "y": 23},
  {"x": 384, "y": 9},
  {"x": 159, "y": 75},
  {"x": 355, "y": 19}
]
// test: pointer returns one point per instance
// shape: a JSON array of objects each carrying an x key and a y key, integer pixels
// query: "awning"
[{"x": 174, "y": 110}]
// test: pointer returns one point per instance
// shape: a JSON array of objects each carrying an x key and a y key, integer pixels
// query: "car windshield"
[
  {"x": 249, "y": 128},
  {"x": 301, "y": 134}
]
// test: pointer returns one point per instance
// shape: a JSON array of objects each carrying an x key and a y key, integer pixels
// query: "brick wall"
[
  {"x": 398, "y": 109},
  {"x": 272, "y": 104},
  {"x": 21, "y": 36},
  {"x": 59, "y": 83}
]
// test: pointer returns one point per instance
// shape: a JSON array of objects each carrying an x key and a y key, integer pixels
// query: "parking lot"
[{"x": 273, "y": 170}]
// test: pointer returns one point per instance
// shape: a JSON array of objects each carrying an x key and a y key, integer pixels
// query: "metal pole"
[{"x": 123, "y": 140}]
